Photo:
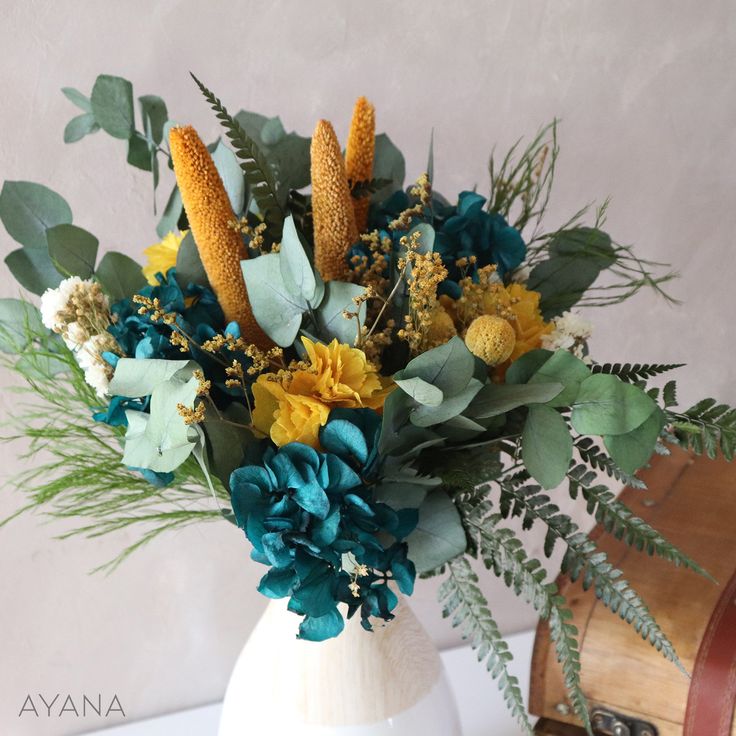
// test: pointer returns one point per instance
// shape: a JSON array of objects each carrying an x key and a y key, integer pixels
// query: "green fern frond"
[
  {"x": 591, "y": 454},
  {"x": 633, "y": 372},
  {"x": 706, "y": 428},
  {"x": 618, "y": 519},
  {"x": 504, "y": 553},
  {"x": 463, "y": 601},
  {"x": 582, "y": 559},
  {"x": 254, "y": 164}
]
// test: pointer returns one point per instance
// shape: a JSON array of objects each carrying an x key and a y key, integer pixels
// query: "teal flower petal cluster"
[{"x": 312, "y": 518}]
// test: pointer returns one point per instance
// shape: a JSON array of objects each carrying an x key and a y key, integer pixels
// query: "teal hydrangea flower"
[{"x": 312, "y": 518}]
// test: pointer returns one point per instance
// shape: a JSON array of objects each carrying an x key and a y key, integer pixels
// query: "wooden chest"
[{"x": 632, "y": 689}]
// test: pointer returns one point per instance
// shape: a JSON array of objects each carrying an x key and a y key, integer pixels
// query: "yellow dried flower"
[
  {"x": 441, "y": 328},
  {"x": 162, "y": 256},
  {"x": 291, "y": 406},
  {"x": 491, "y": 339},
  {"x": 332, "y": 207},
  {"x": 359, "y": 154},
  {"x": 210, "y": 214}
]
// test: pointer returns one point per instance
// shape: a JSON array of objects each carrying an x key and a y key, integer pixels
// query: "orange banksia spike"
[
  {"x": 359, "y": 155},
  {"x": 332, "y": 207},
  {"x": 210, "y": 216}
]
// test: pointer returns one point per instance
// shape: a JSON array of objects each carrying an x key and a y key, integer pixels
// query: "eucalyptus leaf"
[
  {"x": 112, "y": 105},
  {"x": 33, "y": 270},
  {"x": 120, "y": 275},
  {"x": 584, "y": 243},
  {"x": 330, "y": 320},
  {"x": 498, "y": 398},
  {"x": 139, "y": 152},
  {"x": 136, "y": 377},
  {"x": 226, "y": 444},
  {"x": 189, "y": 268},
  {"x": 154, "y": 116},
  {"x": 562, "y": 367},
  {"x": 452, "y": 406},
  {"x": 546, "y": 445},
  {"x": 296, "y": 270},
  {"x": 561, "y": 281},
  {"x": 399, "y": 494},
  {"x": 523, "y": 368},
  {"x": 231, "y": 174},
  {"x": 76, "y": 97},
  {"x": 633, "y": 450},
  {"x": 79, "y": 127},
  {"x": 388, "y": 163},
  {"x": 276, "y": 309},
  {"x": 28, "y": 210},
  {"x": 73, "y": 250},
  {"x": 607, "y": 405},
  {"x": 171, "y": 214},
  {"x": 449, "y": 367},
  {"x": 17, "y": 320},
  {"x": 162, "y": 441},
  {"x": 421, "y": 391},
  {"x": 272, "y": 132},
  {"x": 439, "y": 535}
]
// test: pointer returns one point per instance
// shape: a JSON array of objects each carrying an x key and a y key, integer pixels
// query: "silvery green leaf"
[
  {"x": 112, "y": 104},
  {"x": 426, "y": 238},
  {"x": 76, "y": 97},
  {"x": 426, "y": 416},
  {"x": 276, "y": 309},
  {"x": 154, "y": 115},
  {"x": 189, "y": 268},
  {"x": 439, "y": 535},
  {"x": 172, "y": 212},
  {"x": 449, "y": 367},
  {"x": 120, "y": 275},
  {"x": 498, "y": 398},
  {"x": 546, "y": 445},
  {"x": 73, "y": 250},
  {"x": 231, "y": 175},
  {"x": 136, "y": 377},
  {"x": 388, "y": 163},
  {"x": 33, "y": 269},
  {"x": 28, "y": 210},
  {"x": 272, "y": 131},
  {"x": 80, "y": 126},
  {"x": 330, "y": 320},
  {"x": 162, "y": 441},
  {"x": 296, "y": 269},
  {"x": 421, "y": 391}
]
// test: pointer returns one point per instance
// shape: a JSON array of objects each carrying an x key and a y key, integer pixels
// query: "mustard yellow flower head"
[
  {"x": 529, "y": 324},
  {"x": 162, "y": 256},
  {"x": 490, "y": 338},
  {"x": 293, "y": 405}
]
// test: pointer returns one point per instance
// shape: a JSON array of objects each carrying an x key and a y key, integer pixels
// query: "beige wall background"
[{"x": 647, "y": 96}]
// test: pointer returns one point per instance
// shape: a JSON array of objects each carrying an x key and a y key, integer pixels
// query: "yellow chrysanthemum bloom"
[
  {"x": 529, "y": 324},
  {"x": 162, "y": 256},
  {"x": 292, "y": 406},
  {"x": 490, "y": 338},
  {"x": 441, "y": 327}
]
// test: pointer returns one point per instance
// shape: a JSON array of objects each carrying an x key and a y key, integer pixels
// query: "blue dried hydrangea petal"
[
  {"x": 277, "y": 583},
  {"x": 320, "y": 628}
]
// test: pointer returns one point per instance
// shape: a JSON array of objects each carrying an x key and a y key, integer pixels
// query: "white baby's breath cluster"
[
  {"x": 571, "y": 332},
  {"x": 79, "y": 311}
]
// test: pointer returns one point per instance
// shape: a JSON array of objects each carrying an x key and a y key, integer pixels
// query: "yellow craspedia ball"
[{"x": 491, "y": 339}]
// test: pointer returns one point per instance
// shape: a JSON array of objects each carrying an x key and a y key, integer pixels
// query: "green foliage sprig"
[
  {"x": 706, "y": 428},
  {"x": 253, "y": 162},
  {"x": 462, "y": 601},
  {"x": 53, "y": 417},
  {"x": 634, "y": 372}
]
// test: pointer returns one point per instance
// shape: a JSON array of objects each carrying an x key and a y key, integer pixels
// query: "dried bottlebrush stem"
[
  {"x": 332, "y": 207},
  {"x": 359, "y": 155},
  {"x": 210, "y": 214}
]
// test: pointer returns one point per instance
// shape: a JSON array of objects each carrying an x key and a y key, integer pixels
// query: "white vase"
[{"x": 387, "y": 683}]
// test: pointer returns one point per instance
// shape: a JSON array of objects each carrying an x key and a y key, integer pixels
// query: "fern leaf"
[
  {"x": 633, "y": 372},
  {"x": 467, "y": 608},
  {"x": 618, "y": 519},
  {"x": 504, "y": 553},
  {"x": 591, "y": 454},
  {"x": 253, "y": 163},
  {"x": 582, "y": 559},
  {"x": 706, "y": 428}
]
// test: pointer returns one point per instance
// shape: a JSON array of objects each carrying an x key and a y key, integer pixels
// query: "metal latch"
[{"x": 607, "y": 723}]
